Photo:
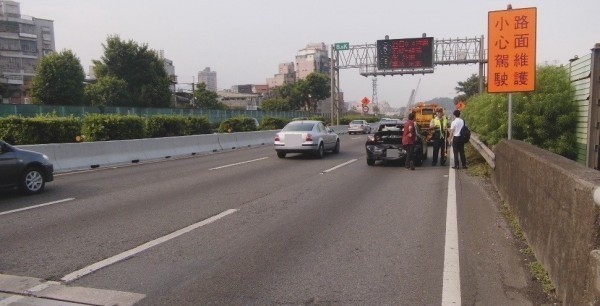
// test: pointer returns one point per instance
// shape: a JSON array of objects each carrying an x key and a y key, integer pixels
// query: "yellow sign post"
[{"x": 511, "y": 50}]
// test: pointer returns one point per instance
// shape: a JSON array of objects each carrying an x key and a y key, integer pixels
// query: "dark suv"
[
  {"x": 27, "y": 170},
  {"x": 386, "y": 144}
]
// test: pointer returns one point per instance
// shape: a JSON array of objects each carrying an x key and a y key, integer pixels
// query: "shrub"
[
  {"x": 237, "y": 124},
  {"x": 99, "y": 127},
  {"x": 165, "y": 126},
  {"x": 39, "y": 130},
  {"x": 272, "y": 123},
  {"x": 198, "y": 125}
]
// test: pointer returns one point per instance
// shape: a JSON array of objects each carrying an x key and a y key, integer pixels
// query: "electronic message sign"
[{"x": 405, "y": 53}]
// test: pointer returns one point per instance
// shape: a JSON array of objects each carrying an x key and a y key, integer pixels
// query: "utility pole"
[
  {"x": 193, "y": 93},
  {"x": 374, "y": 98}
]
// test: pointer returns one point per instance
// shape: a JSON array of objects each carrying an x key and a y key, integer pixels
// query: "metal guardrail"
[{"x": 486, "y": 152}]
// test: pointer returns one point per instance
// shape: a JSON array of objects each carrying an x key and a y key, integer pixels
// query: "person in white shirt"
[{"x": 456, "y": 141}]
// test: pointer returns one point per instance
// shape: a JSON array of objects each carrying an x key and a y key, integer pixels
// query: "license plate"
[
  {"x": 392, "y": 153},
  {"x": 293, "y": 140}
]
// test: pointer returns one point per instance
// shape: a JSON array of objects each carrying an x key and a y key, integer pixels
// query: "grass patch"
[
  {"x": 538, "y": 272},
  {"x": 541, "y": 275},
  {"x": 478, "y": 166}
]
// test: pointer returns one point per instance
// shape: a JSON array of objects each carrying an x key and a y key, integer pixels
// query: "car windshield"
[
  {"x": 356, "y": 122},
  {"x": 299, "y": 127}
]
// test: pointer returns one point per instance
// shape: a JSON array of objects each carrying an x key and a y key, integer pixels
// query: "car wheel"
[
  {"x": 336, "y": 149},
  {"x": 370, "y": 162},
  {"x": 281, "y": 154},
  {"x": 320, "y": 151},
  {"x": 33, "y": 181}
]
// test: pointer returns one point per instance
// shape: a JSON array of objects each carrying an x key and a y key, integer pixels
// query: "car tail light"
[
  {"x": 277, "y": 137},
  {"x": 309, "y": 137}
]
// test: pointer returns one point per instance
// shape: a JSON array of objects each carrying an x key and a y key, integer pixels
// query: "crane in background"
[{"x": 411, "y": 100}]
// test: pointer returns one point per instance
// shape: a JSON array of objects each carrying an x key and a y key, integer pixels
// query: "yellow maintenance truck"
[{"x": 424, "y": 113}]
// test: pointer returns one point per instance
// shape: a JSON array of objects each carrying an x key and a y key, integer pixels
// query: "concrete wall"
[
  {"x": 79, "y": 156},
  {"x": 553, "y": 199}
]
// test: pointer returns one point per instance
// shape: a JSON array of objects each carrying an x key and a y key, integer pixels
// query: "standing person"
[
  {"x": 439, "y": 124},
  {"x": 458, "y": 144},
  {"x": 409, "y": 134}
]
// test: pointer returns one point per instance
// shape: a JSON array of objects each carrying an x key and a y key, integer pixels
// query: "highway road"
[{"x": 245, "y": 227}]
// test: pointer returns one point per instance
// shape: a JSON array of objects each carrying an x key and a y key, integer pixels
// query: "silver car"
[
  {"x": 306, "y": 136},
  {"x": 359, "y": 126},
  {"x": 27, "y": 170}
]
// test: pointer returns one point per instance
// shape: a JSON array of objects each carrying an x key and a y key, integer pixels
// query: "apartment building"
[
  {"x": 286, "y": 75},
  {"x": 209, "y": 78},
  {"x": 313, "y": 58},
  {"x": 24, "y": 40},
  {"x": 169, "y": 69}
]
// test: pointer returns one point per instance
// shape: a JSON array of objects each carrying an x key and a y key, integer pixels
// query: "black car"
[
  {"x": 386, "y": 144},
  {"x": 27, "y": 170}
]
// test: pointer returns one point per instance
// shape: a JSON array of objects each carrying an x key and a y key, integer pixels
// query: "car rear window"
[
  {"x": 357, "y": 122},
  {"x": 299, "y": 127}
]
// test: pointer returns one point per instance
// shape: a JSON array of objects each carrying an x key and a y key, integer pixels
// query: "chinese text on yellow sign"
[{"x": 511, "y": 50}]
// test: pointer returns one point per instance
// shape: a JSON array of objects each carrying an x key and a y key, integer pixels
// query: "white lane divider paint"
[
  {"x": 240, "y": 163},
  {"x": 451, "y": 282},
  {"x": 339, "y": 166},
  {"x": 36, "y": 206},
  {"x": 127, "y": 254}
]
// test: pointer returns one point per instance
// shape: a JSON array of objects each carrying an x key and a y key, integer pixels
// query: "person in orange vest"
[{"x": 439, "y": 124}]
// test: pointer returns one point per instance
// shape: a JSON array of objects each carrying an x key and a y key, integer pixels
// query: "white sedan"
[{"x": 306, "y": 136}]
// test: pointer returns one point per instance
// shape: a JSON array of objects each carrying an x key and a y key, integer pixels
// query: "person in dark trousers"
[
  {"x": 457, "y": 143},
  {"x": 439, "y": 124},
  {"x": 408, "y": 140}
]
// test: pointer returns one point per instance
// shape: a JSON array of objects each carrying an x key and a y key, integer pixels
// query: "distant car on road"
[
  {"x": 359, "y": 126},
  {"x": 27, "y": 170},
  {"x": 306, "y": 136}
]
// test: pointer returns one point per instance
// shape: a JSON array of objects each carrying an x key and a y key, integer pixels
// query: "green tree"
[
  {"x": 468, "y": 88},
  {"x": 317, "y": 87},
  {"x": 277, "y": 104},
  {"x": 58, "y": 80},
  {"x": 546, "y": 117},
  {"x": 108, "y": 91},
  {"x": 142, "y": 70},
  {"x": 207, "y": 99}
]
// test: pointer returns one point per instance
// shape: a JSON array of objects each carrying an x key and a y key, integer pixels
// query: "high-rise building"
[
  {"x": 169, "y": 69},
  {"x": 313, "y": 58},
  {"x": 209, "y": 78},
  {"x": 24, "y": 40},
  {"x": 286, "y": 75}
]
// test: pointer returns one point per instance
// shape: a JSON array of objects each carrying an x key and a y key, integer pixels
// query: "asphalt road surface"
[{"x": 245, "y": 227}]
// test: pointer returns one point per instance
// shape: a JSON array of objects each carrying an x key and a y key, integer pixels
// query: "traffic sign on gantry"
[
  {"x": 342, "y": 46},
  {"x": 511, "y": 50},
  {"x": 405, "y": 53}
]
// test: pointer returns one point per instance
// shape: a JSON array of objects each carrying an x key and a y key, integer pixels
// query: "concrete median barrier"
[
  {"x": 228, "y": 141},
  {"x": 158, "y": 148},
  {"x": 258, "y": 138},
  {"x": 208, "y": 143},
  {"x": 86, "y": 155}
]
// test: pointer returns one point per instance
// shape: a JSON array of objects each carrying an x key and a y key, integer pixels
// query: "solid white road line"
[
  {"x": 451, "y": 283},
  {"x": 112, "y": 260},
  {"x": 36, "y": 206},
  {"x": 240, "y": 163},
  {"x": 338, "y": 166}
]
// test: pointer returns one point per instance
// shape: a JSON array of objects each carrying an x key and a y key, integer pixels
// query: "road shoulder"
[{"x": 494, "y": 270}]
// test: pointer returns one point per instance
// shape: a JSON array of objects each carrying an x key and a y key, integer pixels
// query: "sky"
[{"x": 244, "y": 41}]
